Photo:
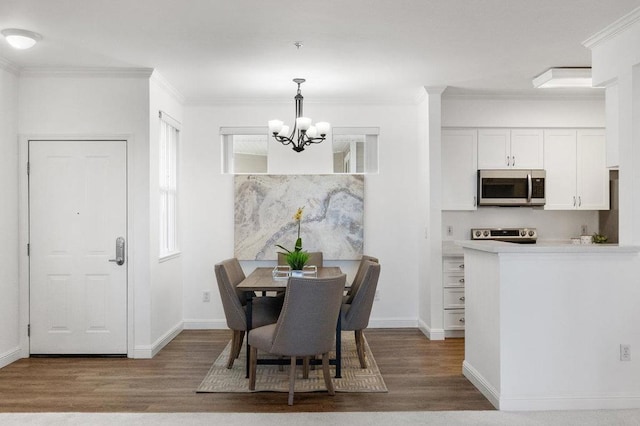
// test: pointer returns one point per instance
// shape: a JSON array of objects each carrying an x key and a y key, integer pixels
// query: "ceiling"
[{"x": 353, "y": 50}]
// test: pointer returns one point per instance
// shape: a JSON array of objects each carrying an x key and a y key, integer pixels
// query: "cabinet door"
[
  {"x": 560, "y": 164},
  {"x": 527, "y": 149},
  {"x": 494, "y": 148},
  {"x": 592, "y": 174},
  {"x": 459, "y": 169}
]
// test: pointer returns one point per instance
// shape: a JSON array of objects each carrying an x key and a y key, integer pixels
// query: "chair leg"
[
  {"x": 327, "y": 374},
  {"x": 239, "y": 345},
  {"x": 252, "y": 367},
  {"x": 292, "y": 379},
  {"x": 234, "y": 343},
  {"x": 359, "y": 336},
  {"x": 305, "y": 367}
]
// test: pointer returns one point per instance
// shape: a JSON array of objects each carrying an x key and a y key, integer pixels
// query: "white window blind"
[{"x": 168, "y": 184}]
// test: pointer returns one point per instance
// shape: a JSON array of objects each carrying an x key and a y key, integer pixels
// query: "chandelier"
[{"x": 306, "y": 133}]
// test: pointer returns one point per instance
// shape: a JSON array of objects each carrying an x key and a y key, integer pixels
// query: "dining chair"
[
  {"x": 306, "y": 326},
  {"x": 265, "y": 310},
  {"x": 315, "y": 259},
  {"x": 357, "y": 280},
  {"x": 355, "y": 315}
]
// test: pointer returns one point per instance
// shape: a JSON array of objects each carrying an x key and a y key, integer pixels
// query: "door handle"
[{"x": 119, "y": 260}]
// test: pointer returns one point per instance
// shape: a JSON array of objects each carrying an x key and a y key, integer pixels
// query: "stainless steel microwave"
[{"x": 511, "y": 187}]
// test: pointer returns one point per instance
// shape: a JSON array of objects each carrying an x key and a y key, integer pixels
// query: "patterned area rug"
[{"x": 269, "y": 378}]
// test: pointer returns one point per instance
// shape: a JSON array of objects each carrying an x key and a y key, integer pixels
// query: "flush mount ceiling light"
[
  {"x": 306, "y": 133},
  {"x": 563, "y": 77},
  {"x": 20, "y": 39}
]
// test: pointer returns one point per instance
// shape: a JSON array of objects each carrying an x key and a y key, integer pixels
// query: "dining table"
[{"x": 262, "y": 280}]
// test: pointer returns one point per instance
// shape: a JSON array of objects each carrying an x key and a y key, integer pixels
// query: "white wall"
[
  {"x": 9, "y": 279},
  {"x": 85, "y": 105},
  {"x": 166, "y": 276},
  {"x": 390, "y": 219},
  {"x": 517, "y": 112}
]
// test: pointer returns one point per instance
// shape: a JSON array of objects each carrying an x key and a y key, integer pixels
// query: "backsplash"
[{"x": 550, "y": 224}]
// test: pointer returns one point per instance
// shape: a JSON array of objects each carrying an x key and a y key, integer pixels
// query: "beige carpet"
[{"x": 269, "y": 378}]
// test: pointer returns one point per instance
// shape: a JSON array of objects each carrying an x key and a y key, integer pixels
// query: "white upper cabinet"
[
  {"x": 577, "y": 177},
  {"x": 510, "y": 149},
  {"x": 459, "y": 169}
]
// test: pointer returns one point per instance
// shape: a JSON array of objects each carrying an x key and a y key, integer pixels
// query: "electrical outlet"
[
  {"x": 625, "y": 352},
  {"x": 584, "y": 230},
  {"x": 206, "y": 296},
  {"x": 450, "y": 231}
]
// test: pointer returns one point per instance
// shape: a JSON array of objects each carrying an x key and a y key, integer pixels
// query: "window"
[
  {"x": 168, "y": 175},
  {"x": 355, "y": 150},
  {"x": 244, "y": 150}
]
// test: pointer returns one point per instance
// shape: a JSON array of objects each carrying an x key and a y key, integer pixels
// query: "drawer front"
[
  {"x": 453, "y": 264},
  {"x": 453, "y": 280},
  {"x": 454, "y": 319},
  {"x": 453, "y": 298}
]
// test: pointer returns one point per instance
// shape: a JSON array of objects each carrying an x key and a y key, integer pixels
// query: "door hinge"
[
  {"x": 28, "y": 330},
  {"x": 28, "y": 168}
]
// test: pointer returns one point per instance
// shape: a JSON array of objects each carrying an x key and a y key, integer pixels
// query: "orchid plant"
[{"x": 296, "y": 258}]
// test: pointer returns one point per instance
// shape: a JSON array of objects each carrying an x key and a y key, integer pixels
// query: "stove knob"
[
  {"x": 531, "y": 233},
  {"x": 523, "y": 232},
  {"x": 486, "y": 233},
  {"x": 478, "y": 233}
]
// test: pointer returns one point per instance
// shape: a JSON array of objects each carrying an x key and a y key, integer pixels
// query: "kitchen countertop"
[{"x": 544, "y": 247}]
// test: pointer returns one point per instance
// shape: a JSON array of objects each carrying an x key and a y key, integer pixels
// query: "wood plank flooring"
[{"x": 420, "y": 375}]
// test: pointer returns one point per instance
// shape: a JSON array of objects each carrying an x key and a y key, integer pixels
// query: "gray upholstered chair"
[
  {"x": 315, "y": 259},
  {"x": 306, "y": 326},
  {"x": 355, "y": 315},
  {"x": 357, "y": 280},
  {"x": 265, "y": 310}
]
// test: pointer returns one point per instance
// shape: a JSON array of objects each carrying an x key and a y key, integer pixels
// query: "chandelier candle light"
[{"x": 306, "y": 132}]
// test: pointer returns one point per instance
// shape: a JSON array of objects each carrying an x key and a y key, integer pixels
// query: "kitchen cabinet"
[
  {"x": 577, "y": 177},
  {"x": 453, "y": 295},
  {"x": 612, "y": 111},
  {"x": 459, "y": 169},
  {"x": 510, "y": 149}
]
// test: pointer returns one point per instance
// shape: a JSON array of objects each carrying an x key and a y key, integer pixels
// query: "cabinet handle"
[
  {"x": 574, "y": 201},
  {"x": 475, "y": 201},
  {"x": 461, "y": 299},
  {"x": 461, "y": 266},
  {"x": 461, "y": 320},
  {"x": 508, "y": 160},
  {"x": 579, "y": 201},
  {"x": 513, "y": 161},
  {"x": 461, "y": 280}
]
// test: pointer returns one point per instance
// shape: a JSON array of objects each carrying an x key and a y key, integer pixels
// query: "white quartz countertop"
[{"x": 545, "y": 247}]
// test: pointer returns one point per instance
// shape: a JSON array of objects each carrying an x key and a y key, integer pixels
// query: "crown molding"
[
  {"x": 168, "y": 87},
  {"x": 613, "y": 29},
  {"x": 214, "y": 101},
  {"x": 86, "y": 72},
  {"x": 588, "y": 94},
  {"x": 9, "y": 66}
]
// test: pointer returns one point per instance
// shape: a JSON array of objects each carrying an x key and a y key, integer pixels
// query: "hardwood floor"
[{"x": 420, "y": 375}]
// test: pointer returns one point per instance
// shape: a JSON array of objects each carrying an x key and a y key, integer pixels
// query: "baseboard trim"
[
  {"x": 10, "y": 356},
  {"x": 196, "y": 324},
  {"x": 431, "y": 333},
  {"x": 149, "y": 351},
  {"x": 481, "y": 384},
  {"x": 392, "y": 323}
]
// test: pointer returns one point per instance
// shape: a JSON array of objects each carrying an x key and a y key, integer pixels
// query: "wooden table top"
[{"x": 261, "y": 279}]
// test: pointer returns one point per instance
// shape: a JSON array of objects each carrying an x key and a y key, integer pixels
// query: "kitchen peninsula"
[{"x": 545, "y": 323}]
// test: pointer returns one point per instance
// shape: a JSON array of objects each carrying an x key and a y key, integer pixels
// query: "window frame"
[{"x": 168, "y": 178}]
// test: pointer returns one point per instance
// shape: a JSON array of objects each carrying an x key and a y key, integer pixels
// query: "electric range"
[{"x": 509, "y": 235}]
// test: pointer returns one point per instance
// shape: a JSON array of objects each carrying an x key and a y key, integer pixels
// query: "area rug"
[{"x": 270, "y": 378}]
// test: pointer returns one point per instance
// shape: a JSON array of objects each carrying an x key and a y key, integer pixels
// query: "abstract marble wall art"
[{"x": 332, "y": 220}]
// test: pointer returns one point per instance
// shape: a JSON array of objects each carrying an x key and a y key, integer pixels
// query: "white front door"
[{"x": 77, "y": 210}]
